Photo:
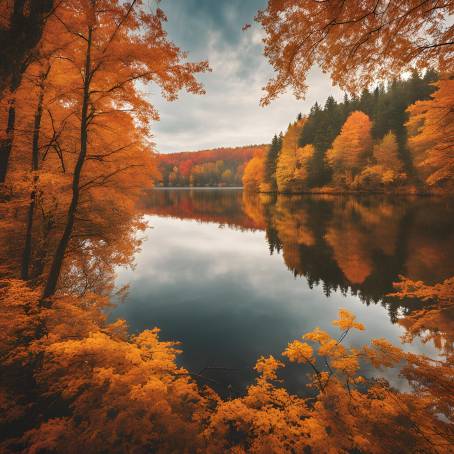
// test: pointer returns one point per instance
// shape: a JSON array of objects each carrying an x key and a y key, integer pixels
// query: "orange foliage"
[
  {"x": 345, "y": 415},
  {"x": 253, "y": 173},
  {"x": 387, "y": 170},
  {"x": 356, "y": 42},
  {"x": 434, "y": 321},
  {"x": 291, "y": 169},
  {"x": 73, "y": 176},
  {"x": 73, "y": 382},
  {"x": 183, "y": 168},
  {"x": 386, "y": 153},
  {"x": 107, "y": 390},
  {"x": 431, "y": 140},
  {"x": 120, "y": 392},
  {"x": 351, "y": 252},
  {"x": 350, "y": 148}
]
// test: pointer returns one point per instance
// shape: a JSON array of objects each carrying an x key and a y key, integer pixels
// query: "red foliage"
[{"x": 185, "y": 161}]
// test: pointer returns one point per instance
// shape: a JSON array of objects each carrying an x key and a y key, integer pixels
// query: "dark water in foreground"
[{"x": 234, "y": 277}]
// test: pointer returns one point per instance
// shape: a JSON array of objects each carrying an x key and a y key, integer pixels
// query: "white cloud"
[{"x": 229, "y": 114}]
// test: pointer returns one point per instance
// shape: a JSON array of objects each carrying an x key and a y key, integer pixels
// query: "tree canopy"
[{"x": 356, "y": 42}]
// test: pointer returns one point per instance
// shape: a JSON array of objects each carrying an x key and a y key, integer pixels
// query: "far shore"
[{"x": 315, "y": 192}]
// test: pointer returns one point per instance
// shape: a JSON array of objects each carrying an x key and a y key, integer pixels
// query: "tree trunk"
[
  {"x": 26, "y": 256},
  {"x": 21, "y": 35},
  {"x": 7, "y": 143},
  {"x": 57, "y": 263}
]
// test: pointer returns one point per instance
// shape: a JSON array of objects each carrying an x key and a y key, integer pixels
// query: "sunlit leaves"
[
  {"x": 347, "y": 321},
  {"x": 356, "y": 42},
  {"x": 267, "y": 367},
  {"x": 299, "y": 352},
  {"x": 350, "y": 148},
  {"x": 127, "y": 393},
  {"x": 288, "y": 164},
  {"x": 317, "y": 335},
  {"x": 383, "y": 353},
  {"x": 431, "y": 127},
  {"x": 254, "y": 173}
]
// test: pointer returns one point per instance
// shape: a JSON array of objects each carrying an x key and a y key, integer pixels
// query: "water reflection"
[
  {"x": 226, "y": 295},
  {"x": 350, "y": 243}
]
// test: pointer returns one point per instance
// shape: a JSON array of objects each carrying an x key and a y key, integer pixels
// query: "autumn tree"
[
  {"x": 287, "y": 164},
  {"x": 386, "y": 106},
  {"x": 99, "y": 387},
  {"x": 386, "y": 152},
  {"x": 144, "y": 393},
  {"x": 389, "y": 108},
  {"x": 111, "y": 58},
  {"x": 35, "y": 165},
  {"x": 350, "y": 149},
  {"x": 38, "y": 126},
  {"x": 353, "y": 41},
  {"x": 431, "y": 141},
  {"x": 304, "y": 159},
  {"x": 21, "y": 28},
  {"x": 385, "y": 170},
  {"x": 42, "y": 118},
  {"x": 346, "y": 405},
  {"x": 253, "y": 174}
]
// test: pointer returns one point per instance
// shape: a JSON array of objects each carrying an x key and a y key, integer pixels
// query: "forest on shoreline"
[
  {"x": 220, "y": 167},
  {"x": 394, "y": 139}
]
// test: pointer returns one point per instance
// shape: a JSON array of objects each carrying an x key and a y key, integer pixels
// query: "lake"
[{"x": 234, "y": 276}]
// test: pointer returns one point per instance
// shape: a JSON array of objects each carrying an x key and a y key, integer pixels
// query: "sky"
[{"x": 229, "y": 113}]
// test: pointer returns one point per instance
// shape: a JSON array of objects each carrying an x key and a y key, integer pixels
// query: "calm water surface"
[{"x": 233, "y": 277}]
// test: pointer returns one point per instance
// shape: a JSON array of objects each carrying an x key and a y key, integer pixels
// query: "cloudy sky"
[{"x": 229, "y": 114}]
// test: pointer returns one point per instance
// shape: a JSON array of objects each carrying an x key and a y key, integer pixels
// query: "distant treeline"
[
  {"x": 216, "y": 167},
  {"x": 396, "y": 137}
]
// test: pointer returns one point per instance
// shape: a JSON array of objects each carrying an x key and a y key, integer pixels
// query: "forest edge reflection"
[{"x": 360, "y": 244}]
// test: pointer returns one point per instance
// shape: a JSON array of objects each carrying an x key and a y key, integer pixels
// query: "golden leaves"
[
  {"x": 298, "y": 352},
  {"x": 253, "y": 174},
  {"x": 267, "y": 367},
  {"x": 350, "y": 148},
  {"x": 125, "y": 393},
  {"x": 431, "y": 126},
  {"x": 346, "y": 321},
  {"x": 288, "y": 163},
  {"x": 317, "y": 335},
  {"x": 356, "y": 42}
]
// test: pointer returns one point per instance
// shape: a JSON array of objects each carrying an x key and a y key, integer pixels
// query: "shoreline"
[{"x": 336, "y": 192}]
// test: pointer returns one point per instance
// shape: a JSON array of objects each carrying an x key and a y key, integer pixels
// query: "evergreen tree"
[
  {"x": 270, "y": 164},
  {"x": 386, "y": 106}
]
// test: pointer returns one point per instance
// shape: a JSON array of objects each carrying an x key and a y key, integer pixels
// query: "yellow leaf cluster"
[
  {"x": 298, "y": 352},
  {"x": 347, "y": 321}
]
